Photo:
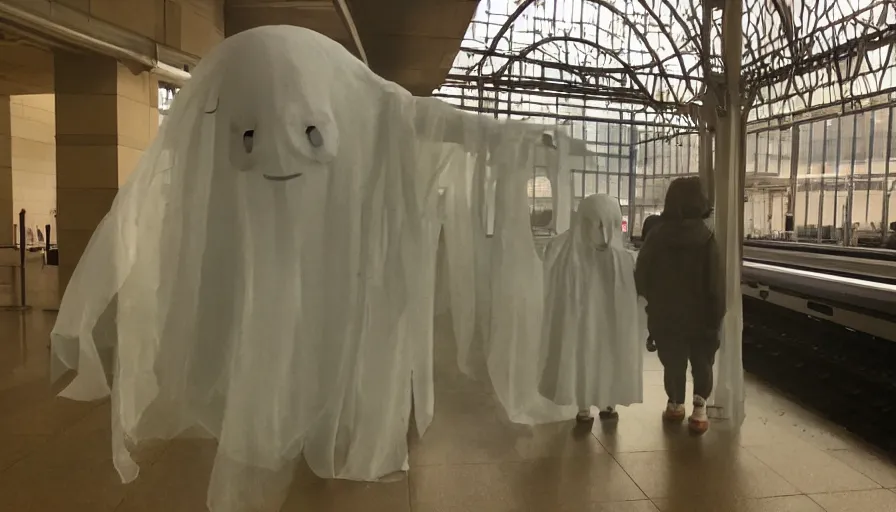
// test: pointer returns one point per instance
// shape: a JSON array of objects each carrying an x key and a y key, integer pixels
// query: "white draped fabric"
[
  {"x": 591, "y": 334},
  {"x": 267, "y": 274}
]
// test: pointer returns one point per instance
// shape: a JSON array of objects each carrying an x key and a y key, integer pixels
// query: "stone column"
[
  {"x": 6, "y": 201},
  {"x": 729, "y": 176},
  {"x": 105, "y": 117}
]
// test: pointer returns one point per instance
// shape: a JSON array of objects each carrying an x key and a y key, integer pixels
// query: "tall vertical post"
[
  {"x": 708, "y": 111},
  {"x": 885, "y": 220},
  {"x": 705, "y": 161},
  {"x": 794, "y": 180},
  {"x": 729, "y": 178},
  {"x": 850, "y": 186},
  {"x": 23, "y": 248},
  {"x": 869, "y": 160},
  {"x": 632, "y": 177},
  {"x": 824, "y": 159},
  {"x": 95, "y": 155}
]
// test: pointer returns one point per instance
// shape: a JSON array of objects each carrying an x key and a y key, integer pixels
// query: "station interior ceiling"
[
  {"x": 411, "y": 42},
  {"x": 630, "y": 79}
]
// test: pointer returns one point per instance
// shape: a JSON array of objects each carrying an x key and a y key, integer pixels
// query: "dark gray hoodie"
[{"x": 679, "y": 270}]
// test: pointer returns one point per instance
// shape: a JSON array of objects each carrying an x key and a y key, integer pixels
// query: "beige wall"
[
  {"x": 33, "y": 127},
  {"x": 24, "y": 69},
  {"x": 105, "y": 117},
  {"x": 6, "y": 208},
  {"x": 71, "y": 147},
  {"x": 193, "y": 26}
]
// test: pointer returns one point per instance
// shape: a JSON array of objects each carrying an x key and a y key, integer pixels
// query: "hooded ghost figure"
[
  {"x": 591, "y": 340},
  {"x": 249, "y": 282},
  {"x": 257, "y": 278}
]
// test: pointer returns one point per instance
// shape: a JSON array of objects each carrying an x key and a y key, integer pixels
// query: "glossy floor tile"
[
  {"x": 869, "y": 464},
  {"x": 812, "y": 470},
  {"x": 55, "y": 455},
  {"x": 711, "y": 470},
  {"x": 879, "y": 500},
  {"x": 798, "y": 503}
]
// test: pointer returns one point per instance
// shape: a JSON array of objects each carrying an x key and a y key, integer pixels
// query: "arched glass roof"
[
  {"x": 818, "y": 53},
  {"x": 643, "y": 61}
]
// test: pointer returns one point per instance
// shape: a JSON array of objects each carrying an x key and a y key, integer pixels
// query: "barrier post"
[
  {"x": 22, "y": 249},
  {"x": 47, "y": 231}
]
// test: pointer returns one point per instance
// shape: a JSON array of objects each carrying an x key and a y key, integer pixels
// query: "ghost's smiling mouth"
[{"x": 282, "y": 178}]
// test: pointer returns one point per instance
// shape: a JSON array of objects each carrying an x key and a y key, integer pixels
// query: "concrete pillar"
[
  {"x": 105, "y": 117},
  {"x": 729, "y": 177},
  {"x": 6, "y": 200}
]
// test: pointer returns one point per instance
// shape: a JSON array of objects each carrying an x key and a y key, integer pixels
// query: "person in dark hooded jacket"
[{"x": 679, "y": 272}]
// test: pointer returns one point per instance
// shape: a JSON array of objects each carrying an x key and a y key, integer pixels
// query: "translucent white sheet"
[
  {"x": 495, "y": 282},
  {"x": 517, "y": 294},
  {"x": 460, "y": 258},
  {"x": 591, "y": 334},
  {"x": 267, "y": 273}
]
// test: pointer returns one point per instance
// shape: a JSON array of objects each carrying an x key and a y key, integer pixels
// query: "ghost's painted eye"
[
  {"x": 248, "y": 140},
  {"x": 315, "y": 138}
]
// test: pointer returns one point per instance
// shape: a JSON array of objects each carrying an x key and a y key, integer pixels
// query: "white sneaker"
[
  {"x": 699, "y": 422},
  {"x": 674, "y": 412}
]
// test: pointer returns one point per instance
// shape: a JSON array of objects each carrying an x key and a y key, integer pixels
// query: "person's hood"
[
  {"x": 684, "y": 214},
  {"x": 685, "y": 200}
]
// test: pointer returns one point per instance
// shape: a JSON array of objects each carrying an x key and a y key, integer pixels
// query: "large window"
[
  {"x": 841, "y": 192},
  {"x": 166, "y": 98}
]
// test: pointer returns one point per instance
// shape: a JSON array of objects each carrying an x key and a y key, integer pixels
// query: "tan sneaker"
[
  {"x": 674, "y": 412},
  {"x": 699, "y": 422}
]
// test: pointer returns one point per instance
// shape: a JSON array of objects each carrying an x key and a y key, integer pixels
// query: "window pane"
[
  {"x": 590, "y": 184},
  {"x": 751, "y": 153},
  {"x": 805, "y": 144},
  {"x": 847, "y": 129},
  {"x": 832, "y": 140},
  {"x": 613, "y": 184},
  {"x": 624, "y": 191}
]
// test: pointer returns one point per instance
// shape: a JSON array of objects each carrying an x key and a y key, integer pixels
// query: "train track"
[
  {"x": 846, "y": 375},
  {"x": 878, "y": 265},
  {"x": 821, "y": 327}
]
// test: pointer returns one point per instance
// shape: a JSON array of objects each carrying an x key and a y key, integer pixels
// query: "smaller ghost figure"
[{"x": 591, "y": 337}]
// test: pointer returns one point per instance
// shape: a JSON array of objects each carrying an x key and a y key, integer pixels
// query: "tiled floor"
[{"x": 54, "y": 456}]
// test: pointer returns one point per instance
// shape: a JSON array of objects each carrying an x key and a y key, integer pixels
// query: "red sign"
[{"x": 624, "y": 226}]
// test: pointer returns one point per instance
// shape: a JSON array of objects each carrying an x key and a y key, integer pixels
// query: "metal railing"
[{"x": 22, "y": 249}]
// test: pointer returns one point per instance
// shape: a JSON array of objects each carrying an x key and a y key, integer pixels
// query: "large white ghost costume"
[
  {"x": 591, "y": 334},
  {"x": 266, "y": 275}
]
